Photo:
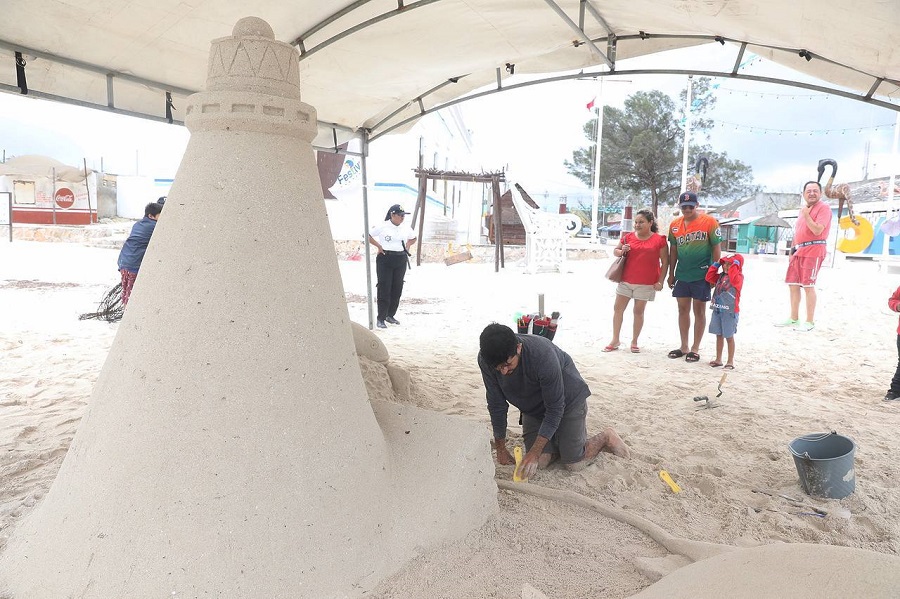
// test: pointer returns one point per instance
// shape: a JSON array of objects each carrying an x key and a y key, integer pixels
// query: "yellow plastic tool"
[
  {"x": 668, "y": 480},
  {"x": 517, "y": 452}
]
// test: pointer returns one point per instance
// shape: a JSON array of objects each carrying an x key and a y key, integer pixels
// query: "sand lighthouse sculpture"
[{"x": 229, "y": 448}]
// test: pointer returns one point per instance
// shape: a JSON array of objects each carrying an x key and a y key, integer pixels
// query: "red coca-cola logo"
[{"x": 64, "y": 197}]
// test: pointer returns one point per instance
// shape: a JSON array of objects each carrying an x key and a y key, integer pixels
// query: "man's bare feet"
[
  {"x": 546, "y": 459},
  {"x": 614, "y": 444},
  {"x": 608, "y": 441}
]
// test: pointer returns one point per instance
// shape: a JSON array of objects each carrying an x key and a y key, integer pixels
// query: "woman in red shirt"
[{"x": 645, "y": 271}]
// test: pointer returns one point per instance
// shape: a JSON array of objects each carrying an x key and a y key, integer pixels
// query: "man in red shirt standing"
[{"x": 808, "y": 253}]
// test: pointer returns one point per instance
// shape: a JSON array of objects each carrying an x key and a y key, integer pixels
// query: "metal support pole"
[
  {"x": 886, "y": 248},
  {"x": 419, "y": 210},
  {"x": 498, "y": 225},
  {"x": 8, "y": 217},
  {"x": 365, "y": 201},
  {"x": 87, "y": 188},
  {"x": 53, "y": 196},
  {"x": 421, "y": 235}
]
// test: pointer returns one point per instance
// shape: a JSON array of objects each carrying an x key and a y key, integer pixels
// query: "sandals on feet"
[
  {"x": 692, "y": 357},
  {"x": 729, "y": 367},
  {"x": 715, "y": 363},
  {"x": 676, "y": 353},
  {"x": 635, "y": 349},
  {"x": 610, "y": 348}
]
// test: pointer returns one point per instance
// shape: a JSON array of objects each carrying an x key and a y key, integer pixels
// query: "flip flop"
[
  {"x": 610, "y": 348},
  {"x": 715, "y": 363},
  {"x": 692, "y": 357},
  {"x": 676, "y": 353},
  {"x": 728, "y": 367},
  {"x": 635, "y": 349}
]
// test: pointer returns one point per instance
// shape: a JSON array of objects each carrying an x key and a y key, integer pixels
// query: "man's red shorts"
[{"x": 803, "y": 270}]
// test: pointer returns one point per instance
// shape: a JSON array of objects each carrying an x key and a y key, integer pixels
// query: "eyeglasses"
[{"x": 506, "y": 366}]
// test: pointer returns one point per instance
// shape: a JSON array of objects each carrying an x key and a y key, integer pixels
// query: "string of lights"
[
  {"x": 772, "y": 95},
  {"x": 740, "y": 127}
]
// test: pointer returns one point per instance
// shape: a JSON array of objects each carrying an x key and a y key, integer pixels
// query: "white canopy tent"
[{"x": 374, "y": 66}]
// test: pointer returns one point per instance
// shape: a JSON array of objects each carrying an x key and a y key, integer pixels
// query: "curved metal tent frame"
[
  {"x": 537, "y": 37},
  {"x": 866, "y": 98}
]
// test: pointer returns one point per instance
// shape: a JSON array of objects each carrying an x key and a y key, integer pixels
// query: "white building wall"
[
  {"x": 133, "y": 193},
  {"x": 445, "y": 145}
]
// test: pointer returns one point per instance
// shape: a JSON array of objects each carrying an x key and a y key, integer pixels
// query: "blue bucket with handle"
[{"x": 824, "y": 463}]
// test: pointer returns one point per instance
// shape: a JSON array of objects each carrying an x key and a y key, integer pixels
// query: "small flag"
[{"x": 590, "y": 105}]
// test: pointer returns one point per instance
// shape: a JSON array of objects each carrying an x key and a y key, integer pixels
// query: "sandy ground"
[{"x": 785, "y": 384}]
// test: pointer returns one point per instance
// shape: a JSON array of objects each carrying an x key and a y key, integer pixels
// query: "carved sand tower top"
[{"x": 253, "y": 84}]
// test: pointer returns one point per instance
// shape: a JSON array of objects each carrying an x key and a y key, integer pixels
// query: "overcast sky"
[
  {"x": 70, "y": 134},
  {"x": 781, "y": 132}
]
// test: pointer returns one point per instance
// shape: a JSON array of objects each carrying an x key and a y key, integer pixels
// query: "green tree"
[
  {"x": 727, "y": 179},
  {"x": 702, "y": 101},
  {"x": 642, "y": 150}
]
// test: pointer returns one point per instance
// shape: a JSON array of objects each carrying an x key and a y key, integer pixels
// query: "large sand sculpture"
[{"x": 229, "y": 449}]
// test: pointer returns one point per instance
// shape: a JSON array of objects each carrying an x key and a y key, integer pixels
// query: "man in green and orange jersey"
[{"x": 694, "y": 243}]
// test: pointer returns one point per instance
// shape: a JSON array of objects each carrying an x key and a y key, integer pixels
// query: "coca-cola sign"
[{"x": 64, "y": 197}]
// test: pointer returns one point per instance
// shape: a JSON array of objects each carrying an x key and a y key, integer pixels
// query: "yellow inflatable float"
[
  {"x": 856, "y": 237},
  {"x": 858, "y": 233}
]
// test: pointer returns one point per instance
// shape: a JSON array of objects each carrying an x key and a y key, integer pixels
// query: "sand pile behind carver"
[{"x": 229, "y": 448}]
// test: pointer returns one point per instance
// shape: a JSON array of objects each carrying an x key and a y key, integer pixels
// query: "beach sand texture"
[{"x": 785, "y": 384}]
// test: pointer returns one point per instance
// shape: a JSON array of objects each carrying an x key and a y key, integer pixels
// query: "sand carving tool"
[
  {"x": 721, "y": 382},
  {"x": 707, "y": 402},
  {"x": 517, "y": 478},
  {"x": 819, "y": 512},
  {"x": 668, "y": 480}
]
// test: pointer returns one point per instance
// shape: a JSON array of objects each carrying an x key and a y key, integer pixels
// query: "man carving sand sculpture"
[{"x": 532, "y": 374}]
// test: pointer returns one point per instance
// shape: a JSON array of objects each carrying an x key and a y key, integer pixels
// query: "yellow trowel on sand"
[
  {"x": 517, "y": 478},
  {"x": 668, "y": 480}
]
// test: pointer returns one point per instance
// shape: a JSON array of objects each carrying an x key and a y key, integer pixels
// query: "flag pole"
[
  {"x": 598, "y": 133},
  {"x": 687, "y": 134}
]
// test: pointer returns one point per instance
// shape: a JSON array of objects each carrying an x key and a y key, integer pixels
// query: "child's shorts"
[{"x": 723, "y": 323}]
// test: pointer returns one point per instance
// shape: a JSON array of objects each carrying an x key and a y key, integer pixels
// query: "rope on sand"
[
  {"x": 110, "y": 308},
  {"x": 693, "y": 550}
]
